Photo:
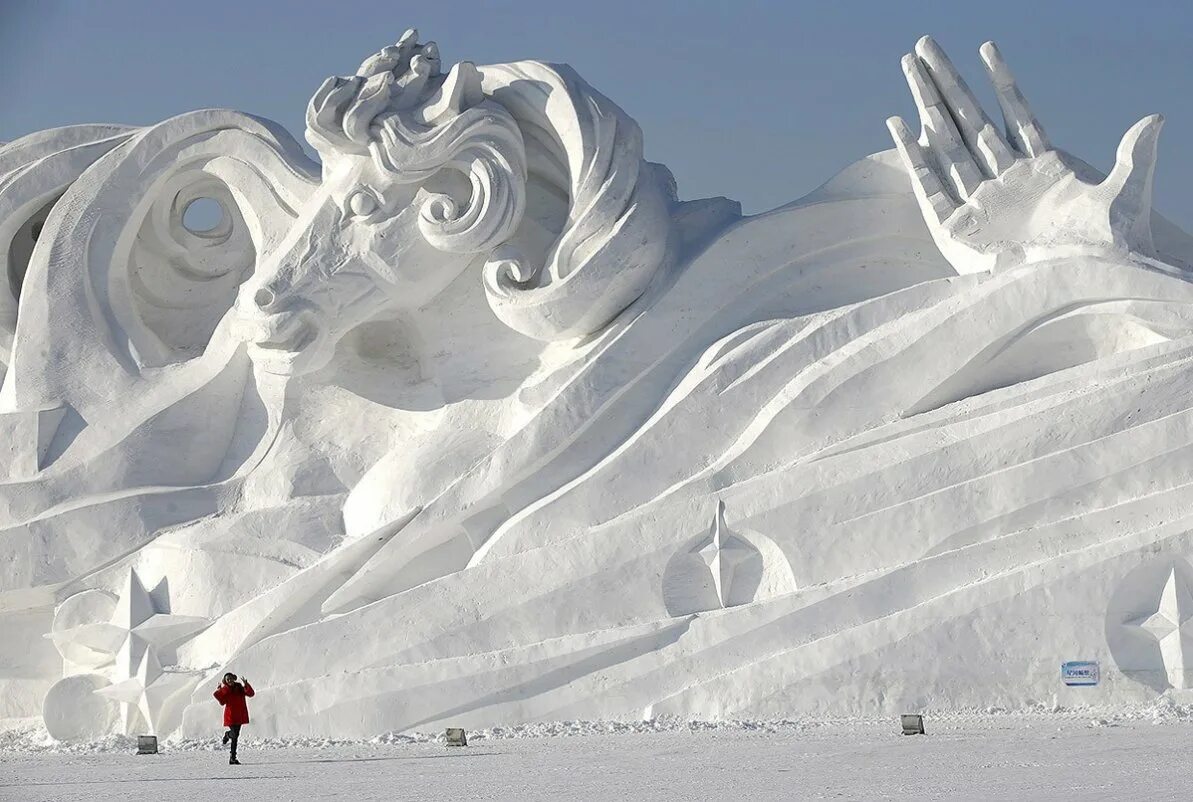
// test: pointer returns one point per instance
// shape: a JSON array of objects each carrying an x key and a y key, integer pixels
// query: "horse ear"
[
  {"x": 460, "y": 90},
  {"x": 325, "y": 114}
]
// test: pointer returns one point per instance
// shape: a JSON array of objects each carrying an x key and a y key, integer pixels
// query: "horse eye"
[{"x": 362, "y": 203}]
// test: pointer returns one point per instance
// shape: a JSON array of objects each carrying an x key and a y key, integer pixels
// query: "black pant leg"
[{"x": 235, "y": 730}]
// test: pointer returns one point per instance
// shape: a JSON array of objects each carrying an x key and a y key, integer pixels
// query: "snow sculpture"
[
  {"x": 81, "y": 631},
  {"x": 144, "y": 693},
  {"x": 1150, "y": 624},
  {"x": 397, "y": 140},
  {"x": 991, "y": 200},
  {"x": 128, "y": 645},
  {"x": 724, "y": 567},
  {"x": 1168, "y": 624},
  {"x": 723, "y": 553},
  {"x": 75, "y": 709},
  {"x": 442, "y": 417}
]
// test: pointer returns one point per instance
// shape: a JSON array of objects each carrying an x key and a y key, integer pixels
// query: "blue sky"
[{"x": 760, "y": 101}]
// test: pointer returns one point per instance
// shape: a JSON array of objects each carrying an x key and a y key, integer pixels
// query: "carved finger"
[
  {"x": 1130, "y": 182},
  {"x": 990, "y": 151},
  {"x": 935, "y": 201},
  {"x": 939, "y": 132},
  {"x": 1023, "y": 129}
]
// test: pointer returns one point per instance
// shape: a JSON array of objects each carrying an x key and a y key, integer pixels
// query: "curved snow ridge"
[
  {"x": 1048, "y": 390},
  {"x": 835, "y": 377},
  {"x": 1070, "y": 336},
  {"x": 960, "y": 479}
]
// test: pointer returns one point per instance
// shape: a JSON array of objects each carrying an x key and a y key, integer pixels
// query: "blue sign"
[{"x": 1079, "y": 672}]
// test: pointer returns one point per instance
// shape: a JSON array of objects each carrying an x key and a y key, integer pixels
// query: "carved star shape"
[
  {"x": 1171, "y": 624},
  {"x": 136, "y": 626},
  {"x": 722, "y": 554},
  {"x": 145, "y": 692}
]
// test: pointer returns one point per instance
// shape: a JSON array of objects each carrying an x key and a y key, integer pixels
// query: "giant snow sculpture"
[{"x": 434, "y": 430}]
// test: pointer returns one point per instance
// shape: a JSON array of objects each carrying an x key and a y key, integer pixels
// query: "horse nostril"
[{"x": 263, "y": 298}]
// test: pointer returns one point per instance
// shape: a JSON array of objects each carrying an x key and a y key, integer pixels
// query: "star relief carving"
[
  {"x": 145, "y": 692},
  {"x": 723, "y": 552},
  {"x": 136, "y": 625},
  {"x": 131, "y": 644},
  {"x": 1171, "y": 624},
  {"x": 142, "y": 627}
]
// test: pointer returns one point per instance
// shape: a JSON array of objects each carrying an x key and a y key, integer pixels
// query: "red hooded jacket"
[{"x": 236, "y": 710}]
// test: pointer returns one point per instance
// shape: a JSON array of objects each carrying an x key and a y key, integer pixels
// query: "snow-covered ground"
[{"x": 1069, "y": 755}]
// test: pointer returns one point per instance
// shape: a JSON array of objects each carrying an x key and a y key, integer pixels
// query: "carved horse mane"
[{"x": 618, "y": 223}]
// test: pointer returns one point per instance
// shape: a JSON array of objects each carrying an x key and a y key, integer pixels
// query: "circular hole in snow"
[{"x": 202, "y": 215}]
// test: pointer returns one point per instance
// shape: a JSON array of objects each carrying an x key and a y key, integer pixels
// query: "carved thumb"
[{"x": 1129, "y": 184}]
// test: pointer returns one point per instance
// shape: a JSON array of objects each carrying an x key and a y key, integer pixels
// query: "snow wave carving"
[
  {"x": 617, "y": 234},
  {"x": 1069, "y": 337}
]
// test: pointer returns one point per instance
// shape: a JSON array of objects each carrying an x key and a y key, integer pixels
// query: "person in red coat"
[{"x": 231, "y": 694}]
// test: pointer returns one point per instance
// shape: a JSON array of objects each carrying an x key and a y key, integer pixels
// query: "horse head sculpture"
[{"x": 425, "y": 173}]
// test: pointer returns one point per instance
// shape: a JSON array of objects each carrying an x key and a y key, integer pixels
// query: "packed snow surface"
[{"x": 1075, "y": 755}]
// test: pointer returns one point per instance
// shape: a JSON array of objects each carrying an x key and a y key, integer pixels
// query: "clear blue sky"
[{"x": 760, "y": 101}]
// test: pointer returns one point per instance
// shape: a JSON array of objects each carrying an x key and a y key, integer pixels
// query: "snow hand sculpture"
[{"x": 995, "y": 201}]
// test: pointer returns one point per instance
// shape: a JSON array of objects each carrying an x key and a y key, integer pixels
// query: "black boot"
[
  {"x": 233, "y": 737},
  {"x": 227, "y": 737}
]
